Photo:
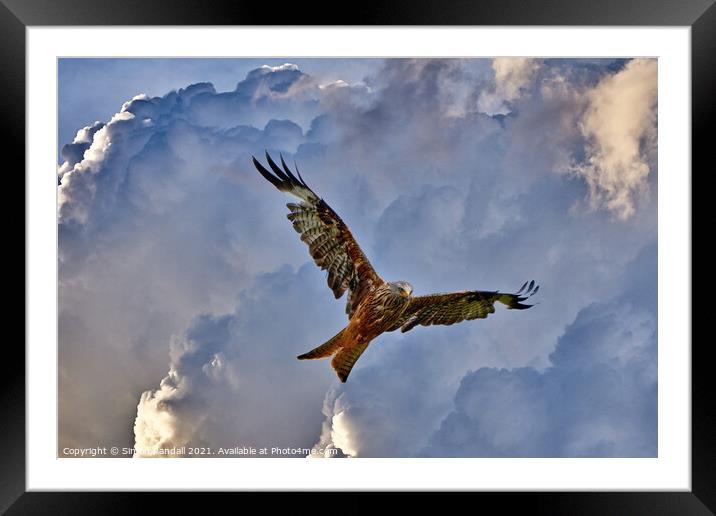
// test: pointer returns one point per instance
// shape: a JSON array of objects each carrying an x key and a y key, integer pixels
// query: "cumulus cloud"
[
  {"x": 73, "y": 152},
  {"x": 155, "y": 216},
  {"x": 619, "y": 124},
  {"x": 170, "y": 416},
  {"x": 171, "y": 243},
  {"x": 597, "y": 398},
  {"x": 377, "y": 413},
  {"x": 232, "y": 378},
  {"x": 488, "y": 220},
  {"x": 513, "y": 76}
]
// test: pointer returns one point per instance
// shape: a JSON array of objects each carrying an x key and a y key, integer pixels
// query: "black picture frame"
[{"x": 16, "y": 15}]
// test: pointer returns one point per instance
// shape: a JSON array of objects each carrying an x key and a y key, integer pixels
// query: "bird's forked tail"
[
  {"x": 325, "y": 350},
  {"x": 347, "y": 353}
]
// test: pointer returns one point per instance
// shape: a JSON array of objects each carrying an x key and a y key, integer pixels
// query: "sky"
[{"x": 185, "y": 294}]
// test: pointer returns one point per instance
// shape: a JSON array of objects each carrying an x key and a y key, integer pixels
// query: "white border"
[{"x": 671, "y": 470}]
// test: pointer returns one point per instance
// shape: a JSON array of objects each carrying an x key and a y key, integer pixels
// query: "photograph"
[{"x": 357, "y": 257}]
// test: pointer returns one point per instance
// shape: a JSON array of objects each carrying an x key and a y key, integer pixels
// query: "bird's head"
[{"x": 402, "y": 288}]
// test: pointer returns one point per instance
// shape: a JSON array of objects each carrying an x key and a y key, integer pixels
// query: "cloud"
[
  {"x": 73, "y": 152},
  {"x": 600, "y": 378},
  {"x": 157, "y": 223},
  {"x": 231, "y": 381},
  {"x": 171, "y": 243},
  {"x": 397, "y": 394},
  {"x": 619, "y": 124},
  {"x": 169, "y": 417},
  {"x": 597, "y": 399},
  {"x": 615, "y": 114},
  {"x": 502, "y": 225},
  {"x": 513, "y": 75}
]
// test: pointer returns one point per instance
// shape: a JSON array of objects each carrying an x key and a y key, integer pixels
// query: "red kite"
[{"x": 373, "y": 306}]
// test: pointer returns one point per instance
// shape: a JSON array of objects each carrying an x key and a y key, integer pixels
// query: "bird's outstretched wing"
[
  {"x": 329, "y": 240},
  {"x": 459, "y": 306}
]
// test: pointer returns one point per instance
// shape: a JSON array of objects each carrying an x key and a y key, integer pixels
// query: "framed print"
[{"x": 485, "y": 274}]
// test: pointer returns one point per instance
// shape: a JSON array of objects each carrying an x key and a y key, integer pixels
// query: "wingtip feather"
[
  {"x": 288, "y": 170},
  {"x": 276, "y": 169},
  {"x": 266, "y": 174},
  {"x": 520, "y": 306}
]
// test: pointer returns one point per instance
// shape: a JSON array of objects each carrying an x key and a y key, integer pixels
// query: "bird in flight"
[{"x": 374, "y": 306}]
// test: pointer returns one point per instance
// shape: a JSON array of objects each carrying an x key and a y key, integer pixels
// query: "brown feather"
[
  {"x": 447, "y": 309},
  {"x": 373, "y": 306},
  {"x": 330, "y": 242}
]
